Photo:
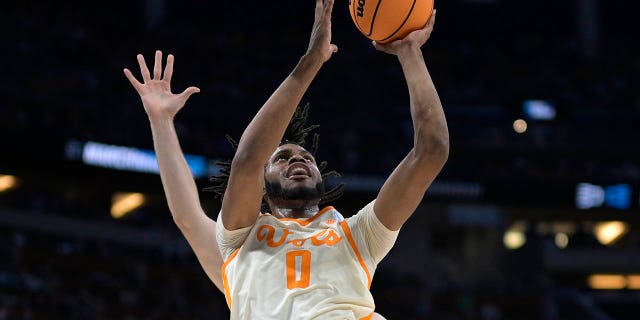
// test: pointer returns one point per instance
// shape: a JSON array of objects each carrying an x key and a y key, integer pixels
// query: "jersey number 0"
[{"x": 298, "y": 268}]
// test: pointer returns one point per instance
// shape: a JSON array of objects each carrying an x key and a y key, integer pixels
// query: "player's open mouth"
[{"x": 298, "y": 171}]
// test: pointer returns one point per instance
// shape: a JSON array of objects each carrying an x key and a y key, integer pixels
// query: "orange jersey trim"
[
  {"x": 304, "y": 222},
  {"x": 367, "y": 317},
  {"x": 347, "y": 232},
  {"x": 225, "y": 282}
]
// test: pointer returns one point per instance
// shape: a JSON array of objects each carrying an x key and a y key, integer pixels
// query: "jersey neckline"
[{"x": 307, "y": 221}]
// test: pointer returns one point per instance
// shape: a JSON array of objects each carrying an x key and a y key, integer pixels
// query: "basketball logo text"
[{"x": 361, "y": 8}]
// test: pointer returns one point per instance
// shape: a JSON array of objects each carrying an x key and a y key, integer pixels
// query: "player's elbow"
[
  {"x": 182, "y": 223},
  {"x": 432, "y": 147}
]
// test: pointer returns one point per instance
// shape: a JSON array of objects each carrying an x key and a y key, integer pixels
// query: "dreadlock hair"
[{"x": 296, "y": 133}]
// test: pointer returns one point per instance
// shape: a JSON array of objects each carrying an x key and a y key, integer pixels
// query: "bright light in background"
[
  {"x": 633, "y": 281},
  {"x": 608, "y": 233},
  {"x": 539, "y": 109},
  {"x": 614, "y": 281},
  {"x": 615, "y": 196},
  {"x": 131, "y": 159},
  {"x": 123, "y": 203},
  {"x": 7, "y": 182},
  {"x": 520, "y": 126},
  {"x": 589, "y": 196},
  {"x": 562, "y": 240},
  {"x": 515, "y": 238},
  {"x": 607, "y": 281}
]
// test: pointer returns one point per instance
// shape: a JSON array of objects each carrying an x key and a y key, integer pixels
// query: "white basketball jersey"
[{"x": 300, "y": 269}]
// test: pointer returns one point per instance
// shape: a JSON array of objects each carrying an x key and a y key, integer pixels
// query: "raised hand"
[
  {"x": 413, "y": 40},
  {"x": 320, "y": 42},
  {"x": 157, "y": 99}
]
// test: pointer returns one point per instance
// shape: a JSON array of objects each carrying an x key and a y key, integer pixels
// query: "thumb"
[
  {"x": 377, "y": 45},
  {"x": 189, "y": 91}
]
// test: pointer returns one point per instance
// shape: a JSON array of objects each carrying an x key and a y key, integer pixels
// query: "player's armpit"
[
  {"x": 202, "y": 239},
  {"x": 367, "y": 229},
  {"x": 229, "y": 241}
]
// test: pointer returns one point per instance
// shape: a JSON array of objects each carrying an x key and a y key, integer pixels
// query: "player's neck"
[{"x": 293, "y": 209}]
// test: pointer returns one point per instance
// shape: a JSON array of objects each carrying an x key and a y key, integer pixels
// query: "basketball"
[{"x": 385, "y": 21}]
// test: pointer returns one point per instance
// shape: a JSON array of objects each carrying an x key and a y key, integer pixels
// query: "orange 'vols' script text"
[{"x": 327, "y": 237}]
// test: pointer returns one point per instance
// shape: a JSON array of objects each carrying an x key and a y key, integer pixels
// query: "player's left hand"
[
  {"x": 155, "y": 92},
  {"x": 412, "y": 41}
]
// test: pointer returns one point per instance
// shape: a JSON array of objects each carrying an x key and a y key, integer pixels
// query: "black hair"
[{"x": 296, "y": 133}]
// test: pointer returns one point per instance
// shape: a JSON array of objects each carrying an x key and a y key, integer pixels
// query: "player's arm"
[
  {"x": 405, "y": 187},
  {"x": 243, "y": 196},
  {"x": 180, "y": 189}
]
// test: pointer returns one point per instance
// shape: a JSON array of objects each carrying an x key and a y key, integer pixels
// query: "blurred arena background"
[{"x": 535, "y": 216}]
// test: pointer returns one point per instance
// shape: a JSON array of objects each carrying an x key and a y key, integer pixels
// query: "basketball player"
[
  {"x": 161, "y": 106},
  {"x": 299, "y": 261}
]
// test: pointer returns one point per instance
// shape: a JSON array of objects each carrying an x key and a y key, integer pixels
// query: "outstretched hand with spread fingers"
[{"x": 158, "y": 100}]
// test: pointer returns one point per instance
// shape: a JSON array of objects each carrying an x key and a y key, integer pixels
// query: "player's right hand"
[
  {"x": 155, "y": 93},
  {"x": 413, "y": 41},
  {"x": 320, "y": 42}
]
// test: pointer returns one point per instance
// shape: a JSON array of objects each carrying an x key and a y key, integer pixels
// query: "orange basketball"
[{"x": 388, "y": 20}]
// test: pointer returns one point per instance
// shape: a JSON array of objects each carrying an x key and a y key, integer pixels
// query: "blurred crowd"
[
  {"x": 54, "y": 277},
  {"x": 65, "y": 80},
  {"x": 48, "y": 277}
]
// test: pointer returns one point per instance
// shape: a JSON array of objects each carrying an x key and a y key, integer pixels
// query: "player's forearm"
[
  {"x": 431, "y": 135},
  {"x": 177, "y": 180},
  {"x": 265, "y": 131}
]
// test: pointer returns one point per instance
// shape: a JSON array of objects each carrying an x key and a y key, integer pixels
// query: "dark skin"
[
  {"x": 397, "y": 199},
  {"x": 403, "y": 190},
  {"x": 161, "y": 106},
  {"x": 245, "y": 190},
  {"x": 292, "y": 167}
]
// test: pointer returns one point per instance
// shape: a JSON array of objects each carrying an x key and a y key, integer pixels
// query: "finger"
[
  {"x": 377, "y": 46},
  {"x": 432, "y": 19},
  {"x": 318, "y": 9},
  {"x": 168, "y": 70},
  {"x": 157, "y": 66},
  {"x": 188, "y": 92},
  {"x": 143, "y": 69},
  {"x": 136, "y": 84},
  {"x": 328, "y": 10}
]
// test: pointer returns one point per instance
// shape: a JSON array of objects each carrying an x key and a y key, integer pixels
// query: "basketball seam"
[
  {"x": 403, "y": 22},
  {"x": 373, "y": 20},
  {"x": 355, "y": 16}
]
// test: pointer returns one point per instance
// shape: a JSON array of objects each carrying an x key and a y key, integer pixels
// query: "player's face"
[{"x": 292, "y": 174}]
